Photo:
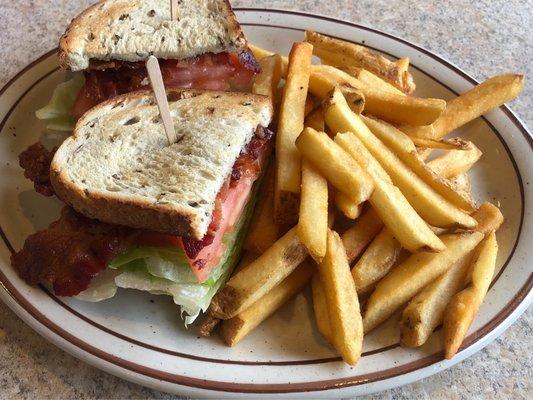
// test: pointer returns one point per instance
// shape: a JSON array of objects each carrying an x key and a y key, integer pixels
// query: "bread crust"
[
  {"x": 103, "y": 33},
  {"x": 133, "y": 211}
]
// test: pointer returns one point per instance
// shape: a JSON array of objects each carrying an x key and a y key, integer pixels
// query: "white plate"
[{"x": 138, "y": 336}]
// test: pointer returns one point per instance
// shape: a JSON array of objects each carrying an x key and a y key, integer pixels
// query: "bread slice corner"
[
  {"x": 132, "y": 30},
  {"x": 117, "y": 166}
]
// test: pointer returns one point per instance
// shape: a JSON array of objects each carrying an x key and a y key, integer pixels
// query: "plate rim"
[{"x": 522, "y": 294}]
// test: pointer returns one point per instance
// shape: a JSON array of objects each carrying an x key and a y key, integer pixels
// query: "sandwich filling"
[
  {"x": 105, "y": 80},
  {"x": 222, "y": 71},
  {"x": 72, "y": 256}
]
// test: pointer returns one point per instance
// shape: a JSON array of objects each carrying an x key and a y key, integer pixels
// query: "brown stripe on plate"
[{"x": 293, "y": 387}]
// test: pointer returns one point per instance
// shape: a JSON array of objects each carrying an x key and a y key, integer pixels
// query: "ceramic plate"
[{"x": 139, "y": 337}]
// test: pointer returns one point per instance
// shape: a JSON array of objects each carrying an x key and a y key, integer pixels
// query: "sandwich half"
[
  {"x": 203, "y": 48},
  {"x": 147, "y": 215}
]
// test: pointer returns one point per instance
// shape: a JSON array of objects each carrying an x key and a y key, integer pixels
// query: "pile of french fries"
[{"x": 355, "y": 146}]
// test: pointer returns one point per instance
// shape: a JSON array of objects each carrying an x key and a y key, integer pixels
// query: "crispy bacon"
[
  {"x": 70, "y": 252},
  {"x": 35, "y": 161},
  {"x": 222, "y": 71}
]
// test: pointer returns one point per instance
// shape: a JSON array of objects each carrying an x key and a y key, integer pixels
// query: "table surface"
[{"x": 481, "y": 37}]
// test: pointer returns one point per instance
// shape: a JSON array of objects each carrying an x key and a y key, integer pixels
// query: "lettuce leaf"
[
  {"x": 161, "y": 275},
  {"x": 57, "y": 112},
  {"x": 165, "y": 270}
]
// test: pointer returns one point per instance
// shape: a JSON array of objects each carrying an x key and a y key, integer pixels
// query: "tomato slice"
[{"x": 222, "y": 71}]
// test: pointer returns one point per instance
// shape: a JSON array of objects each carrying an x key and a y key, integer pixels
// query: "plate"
[{"x": 139, "y": 337}]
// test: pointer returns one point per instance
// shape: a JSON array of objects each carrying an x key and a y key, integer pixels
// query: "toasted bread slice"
[
  {"x": 118, "y": 167},
  {"x": 131, "y": 30}
]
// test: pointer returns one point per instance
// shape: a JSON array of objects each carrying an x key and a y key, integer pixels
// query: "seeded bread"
[
  {"x": 131, "y": 30},
  {"x": 118, "y": 167}
]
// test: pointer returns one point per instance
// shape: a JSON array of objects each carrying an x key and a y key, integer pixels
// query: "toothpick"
[
  {"x": 173, "y": 10},
  {"x": 156, "y": 80}
]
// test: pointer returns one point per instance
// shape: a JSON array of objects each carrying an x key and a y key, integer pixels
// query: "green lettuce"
[
  {"x": 57, "y": 112},
  {"x": 161, "y": 270}
]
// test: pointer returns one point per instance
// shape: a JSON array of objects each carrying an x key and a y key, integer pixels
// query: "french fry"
[
  {"x": 428, "y": 203},
  {"x": 348, "y": 54},
  {"x": 410, "y": 277},
  {"x": 426, "y": 310},
  {"x": 266, "y": 82},
  {"x": 342, "y": 302},
  {"x": 354, "y": 97},
  {"x": 312, "y": 225},
  {"x": 357, "y": 237},
  {"x": 489, "y": 218},
  {"x": 391, "y": 107},
  {"x": 368, "y": 78},
  {"x": 233, "y": 330},
  {"x": 315, "y": 119},
  {"x": 444, "y": 144},
  {"x": 468, "y": 106},
  {"x": 455, "y": 162},
  {"x": 390, "y": 204},
  {"x": 464, "y": 306},
  {"x": 399, "y": 109},
  {"x": 335, "y": 165},
  {"x": 260, "y": 53},
  {"x": 376, "y": 262},
  {"x": 461, "y": 184},
  {"x": 424, "y": 153},
  {"x": 290, "y": 124},
  {"x": 210, "y": 322},
  {"x": 403, "y": 147},
  {"x": 347, "y": 206},
  {"x": 263, "y": 230},
  {"x": 309, "y": 105},
  {"x": 320, "y": 308},
  {"x": 253, "y": 282}
]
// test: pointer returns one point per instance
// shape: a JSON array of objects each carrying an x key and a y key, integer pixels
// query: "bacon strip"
[
  {"x": 70, "y": 252},
  {"x": 222, "y": 71},
  {"x": 35, "y": 161}
]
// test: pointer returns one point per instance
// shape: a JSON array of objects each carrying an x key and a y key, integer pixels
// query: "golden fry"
[
  {"x": 315, "y": 120},
  {"x": 426, "y": 310},
  {"x": 468, "y": 106},
  {"x": 290, "y": 124},
  {"x": 260, "y": 53},
  {"x": 210, "y": 322},
  {"x": 455, "y": 162},
  {"x": 391, "y": 107},
  {"x": 253, "y": 282},
  {"x": 354, "y": 97},
  {"x": 489, "y": 218},
  {"x": 444, "y": 144},
  {"x": 335, "y": 165},
  {"x": 407, "y": 279},
  {"x": 405, "y": 150},
  {"x": 342, "y": 302},
  {"x": 348, "y": 54},
  {"x": 357, "y": 237},
  {"x": 368, "y": 78},
  {"x": 376, "y": 261},
  {"x": 347, "y": 206},
  {"x": 263, "y": 230},
  {"x": 390, "y": 204},
  {"x": 321, "y": 308},
  {"x": 464, "y": 306},
  {"x": 424, "y": 153},
  {"x": 313, "y": 219},
  {"x": 410, "y": 277},
  {"x": 235, "y": 329},
  {"x": 431, "y": 206},
  {"x": 266, "y": 82}
]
